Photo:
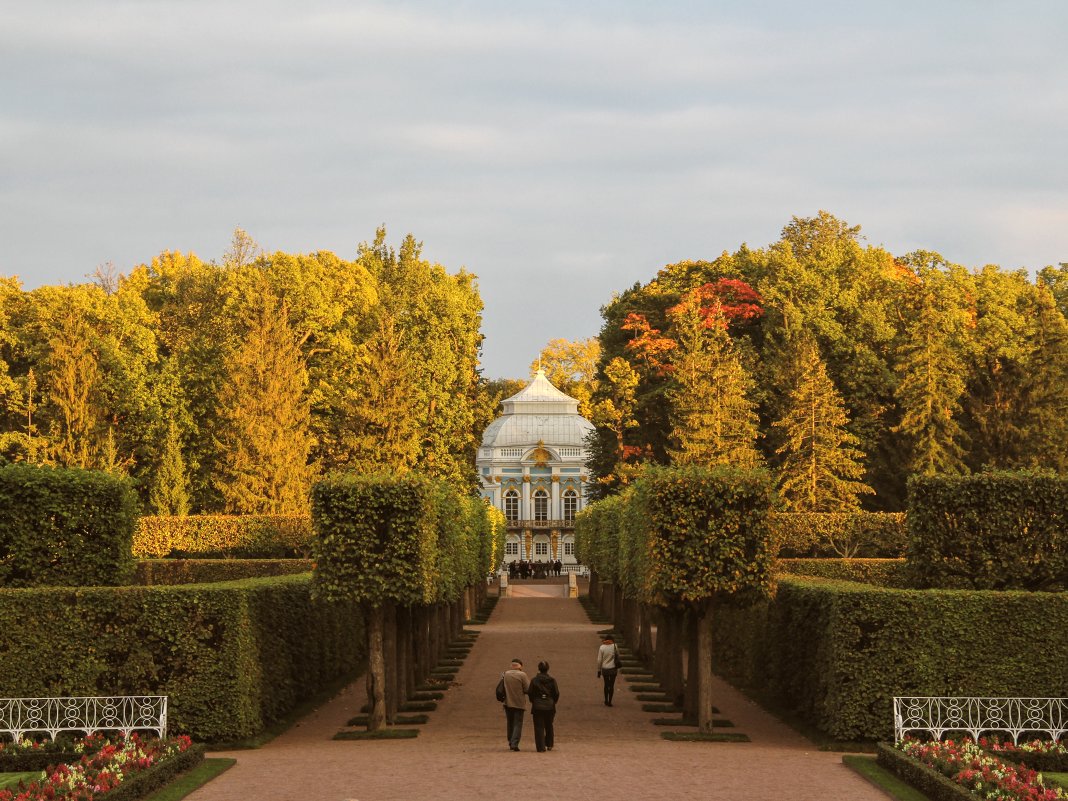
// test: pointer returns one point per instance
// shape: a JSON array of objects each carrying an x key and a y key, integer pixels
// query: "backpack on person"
[{"x": 502, "y": 694}]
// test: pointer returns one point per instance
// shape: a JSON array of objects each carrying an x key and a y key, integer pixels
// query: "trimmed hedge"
[
  {"x": 150, "y": 572},
  {"x": 233, "y": 657},
  {"x": 839, "y": 534},
  {"x": 989, "y": 531},
  {"x": 880, "y": 572},
  {"x": 835, "y": 653},
  {"x": 927, "y": 780},
  {"x": 245, "y": 536},
  {"x": 64, "y": 527}
]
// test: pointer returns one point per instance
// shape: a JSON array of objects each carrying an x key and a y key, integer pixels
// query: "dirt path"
[{"x": 600, "y": 751}]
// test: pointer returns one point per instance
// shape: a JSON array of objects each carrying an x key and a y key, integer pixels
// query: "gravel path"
[{"x": 600, "y": 752}]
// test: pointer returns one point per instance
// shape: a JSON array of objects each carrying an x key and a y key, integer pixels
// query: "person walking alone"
[
  {"x": 516, "y": 684},
  {"x": 608, "y": 667},
  {"x": 544, "y": 694}
]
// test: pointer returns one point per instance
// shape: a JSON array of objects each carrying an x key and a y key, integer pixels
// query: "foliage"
[
  {"x": 996, "y": 530},
  {"x": 152, "y": 572},
  {"x": 822, "y": 468},
  {"x": 233, "y": 657},
  {"x": 64, "y": 527},
  {"x": 408, "y": 540},
  {"x": 1043, "y": 755},
  {"x": 245, "y": 536},
  {"x": 846, "y": 534},
  {"x": 931, "y": 783},
  {"x": 169, "y": 494},
  {"x": 571, "y": 367},
  {"x": 879, "y": 572},
  {"x": 835, "y": 653}
]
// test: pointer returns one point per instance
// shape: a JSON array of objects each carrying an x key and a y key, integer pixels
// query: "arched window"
[
  {"x": 570, "y": 505},
  {"x": 511, "y": 505},
  {"x": 541, "y": 505}
]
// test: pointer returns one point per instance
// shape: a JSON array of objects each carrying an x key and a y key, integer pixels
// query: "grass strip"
[
  {"x": 876, "y": 774},
  {"x": 192, "y": 779},
  {"x": 427, "y": 696},
  {"x": 663, "y": 698},
  {"x": 704, "y": 737},
  {"x": 718, "y": 723},
  {"x": 400, "y": 720},
  {"x": 646, "y": 688},
  {"x": 9, "y": 781},
  {"x": 1056, "y": 778},
  {"x": 381, "y": 734},
  {"x": 659, "y": 708}
]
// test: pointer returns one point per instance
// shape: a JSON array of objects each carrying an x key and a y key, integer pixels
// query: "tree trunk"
[
  {"x": 405, "y": 676},
  {"x": 593, "y": 587},
  {"x": 704, "y": 668},
  {"x": 389, "y": 649},
  {"x": 376, "y": 669},
  {"x": 645, "y": 636},
  {"x": 691, "y": 666}
]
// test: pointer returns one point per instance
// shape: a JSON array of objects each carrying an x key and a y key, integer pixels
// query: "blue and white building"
[{"x": 532, "y": 463}]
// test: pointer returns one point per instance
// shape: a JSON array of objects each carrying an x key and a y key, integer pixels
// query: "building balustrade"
[{"x": 519, "y": 525}]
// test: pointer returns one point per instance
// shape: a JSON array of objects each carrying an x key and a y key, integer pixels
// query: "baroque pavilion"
[{"x": 532, "y": 464}]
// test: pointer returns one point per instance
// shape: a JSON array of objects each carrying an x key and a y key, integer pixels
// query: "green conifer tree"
[
  {"x": 713, "y": 421},
  {"x": 822, "y": 468},
  {"x": 170, "y": 490}
]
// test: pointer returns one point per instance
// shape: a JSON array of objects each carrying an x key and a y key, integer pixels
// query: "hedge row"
[
  {"x": 64, "y": 527},
  {"x": 233, "y": 657},
  {"x": 151, "y": 572},
  {"x": 245, "y": 536},
  {"x": 407, "y": 540},
  {"x": 835, "y": 653},
  {"x": 843, "y": 534},
  {"x": 989, "y": 531},
  {"x": 880, "y": 572},
  {"x": 925, "y": 779}
]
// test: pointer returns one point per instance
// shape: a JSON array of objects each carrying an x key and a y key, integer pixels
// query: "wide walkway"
[{"x": 600, "y": 752}]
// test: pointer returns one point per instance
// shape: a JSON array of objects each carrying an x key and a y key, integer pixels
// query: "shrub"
[
  {"x": 64, "y": 527},
  {"x": 990, "y": 531},
  {"x": 234, "y": 657},
  {"x": 151, "y": 572},
  {"x": 835, "y": 653},
  {"x": 846, "y": 534},
  {"x": 245, "y": 536},
  {"x": 880, "y": 572}
]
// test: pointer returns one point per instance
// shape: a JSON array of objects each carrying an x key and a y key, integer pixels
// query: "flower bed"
[
  {"x": 1044, "y": 755},
  {"x": 27, "y": 754},
  {"x": 120, "y": 770},
  {"x": 955, "y": 771}
]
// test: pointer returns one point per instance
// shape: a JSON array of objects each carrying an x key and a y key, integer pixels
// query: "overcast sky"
[{"x": 560, "y": 151}]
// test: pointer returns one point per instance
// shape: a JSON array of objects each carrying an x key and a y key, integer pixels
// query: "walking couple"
[{"x": 513, "y": 690}]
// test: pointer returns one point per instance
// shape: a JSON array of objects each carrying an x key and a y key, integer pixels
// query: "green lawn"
[
  {"x": 191, "y": 780},
  {"x": 886, "y": 781},
  {"x": 9, "y": 781},
  {"x": 1059, "y": 779}
]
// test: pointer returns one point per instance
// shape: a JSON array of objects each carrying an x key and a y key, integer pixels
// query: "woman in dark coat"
[{"x": 543, "y": 694}]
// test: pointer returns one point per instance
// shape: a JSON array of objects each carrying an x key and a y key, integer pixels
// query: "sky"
[{"x": 560, "y": 151}]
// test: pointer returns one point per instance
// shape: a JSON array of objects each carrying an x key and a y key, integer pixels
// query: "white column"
[{"x": 555, "y": 512}]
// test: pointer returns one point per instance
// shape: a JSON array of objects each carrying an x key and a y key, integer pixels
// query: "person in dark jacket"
[{"x": 544, "y": 693}]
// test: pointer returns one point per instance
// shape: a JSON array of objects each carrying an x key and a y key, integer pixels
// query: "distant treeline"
[{"x": 227, "y": 387}]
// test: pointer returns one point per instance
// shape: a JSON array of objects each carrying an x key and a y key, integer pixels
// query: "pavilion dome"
[{"x": 539, "y": 413}]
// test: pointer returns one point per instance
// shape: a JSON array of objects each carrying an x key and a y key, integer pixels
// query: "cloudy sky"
[{"x": 559, "y": 150}]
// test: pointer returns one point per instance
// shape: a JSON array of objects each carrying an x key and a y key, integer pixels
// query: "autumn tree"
[
  {"x": 713, "y": 420},
  {"x": 822, "y": 469},
  {"x": 265, "y": 441},
  {"x": 572, "y": 368}
]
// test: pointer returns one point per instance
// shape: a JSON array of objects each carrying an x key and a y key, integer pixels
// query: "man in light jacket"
[{"x": 516, "y": 684}]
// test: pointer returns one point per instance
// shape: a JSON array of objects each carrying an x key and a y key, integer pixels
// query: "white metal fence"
[
  {"x": 121, "y": 713},
  {"x": 937, "y": 715}
]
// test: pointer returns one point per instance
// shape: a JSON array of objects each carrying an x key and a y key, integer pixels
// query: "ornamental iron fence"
[
  {"x": 121, "y": 713},
  {"x": 976, "y": 716}
]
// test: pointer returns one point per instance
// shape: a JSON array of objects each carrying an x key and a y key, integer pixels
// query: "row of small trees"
[
  {"x": 415, "y": 554},
  {"x": 668, "y": 547}
]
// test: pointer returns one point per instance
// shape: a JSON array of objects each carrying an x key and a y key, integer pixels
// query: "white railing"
[
  {"x": 122, "y": 713},
  {"x": 976, "y": 716}
]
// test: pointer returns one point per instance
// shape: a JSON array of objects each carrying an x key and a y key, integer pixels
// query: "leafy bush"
[
  {"x": 845, "y": 534},
  {"x": 880, "y": 572},
  {"x": 925, "y": 779},
  {"x": 234, "y": 657},
  {"x": 990, "y": 531},
  {"x": 151, "y": 572},
  {"x": 835, "y": 653},
  {"x": 245, "y": 536},
  {"x": 64, "y": 527}
]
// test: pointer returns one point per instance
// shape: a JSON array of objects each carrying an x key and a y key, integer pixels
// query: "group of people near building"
[
  {"x": 516, "y": 688},
  {"x": 525, "y": 569}
]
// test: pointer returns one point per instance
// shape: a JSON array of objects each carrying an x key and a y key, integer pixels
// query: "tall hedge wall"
[
  {"x": 839, "y": 534},
  {"x": 989, "y": 531},
  {"x": 880, "y": 572},
  {"x": 837, "y": 652},
  {"x": 243, "y": 536},
  {"x": 233, "y": 657},
  {"x": 64, "y": 527}
]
